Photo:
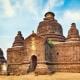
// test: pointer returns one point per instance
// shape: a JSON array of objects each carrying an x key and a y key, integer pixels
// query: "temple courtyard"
[{"x": 55, "y": 76}]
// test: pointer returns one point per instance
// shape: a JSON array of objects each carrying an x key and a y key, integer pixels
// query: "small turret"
[
  {"x": 73, "y": 33},
  {"x": 19, "y": 40}
]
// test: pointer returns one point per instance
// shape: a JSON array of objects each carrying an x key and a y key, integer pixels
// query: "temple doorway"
[{"x": 33, "y": 63}]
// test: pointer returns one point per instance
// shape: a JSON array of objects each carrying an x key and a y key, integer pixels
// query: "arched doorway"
[{"x": 33, "y": 63}]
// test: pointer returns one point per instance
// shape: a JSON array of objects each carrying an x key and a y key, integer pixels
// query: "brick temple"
[{"x": 46, "y": 51}]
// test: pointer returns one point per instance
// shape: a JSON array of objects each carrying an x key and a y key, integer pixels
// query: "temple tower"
[
  {"x": 15, "y": 54},
  {"x": 49, "y": 28},
  {"x": 73, "y": 33}
]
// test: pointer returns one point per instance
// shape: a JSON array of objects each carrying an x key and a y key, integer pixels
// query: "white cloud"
[
  {"x": 51, "y": 4},
  {"x": 31, "y": 6},
  {"x": 8, "y": 8},
  {"x": 70, "y": 15}
]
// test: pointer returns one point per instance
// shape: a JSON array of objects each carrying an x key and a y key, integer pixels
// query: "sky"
[{"x": 25, "y": 15}]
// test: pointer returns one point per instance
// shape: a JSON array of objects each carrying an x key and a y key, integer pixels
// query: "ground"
[{"x": 55, "y": 76}]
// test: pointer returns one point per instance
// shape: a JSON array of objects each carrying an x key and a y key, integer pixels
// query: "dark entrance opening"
[{"x": 33, "y": 64}]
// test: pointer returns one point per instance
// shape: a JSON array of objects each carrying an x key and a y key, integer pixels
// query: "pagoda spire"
[
  {"x": 73, "y": 33},
  {"x": 19, "y": 40}
]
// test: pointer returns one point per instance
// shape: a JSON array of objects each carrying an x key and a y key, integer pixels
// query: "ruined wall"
[
  {"x": 15, "y": 54},
  {"x": 66, "y": 57},
  {"x": 15, "y": 57}
]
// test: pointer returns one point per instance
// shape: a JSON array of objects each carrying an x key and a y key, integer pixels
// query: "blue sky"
[{"x": 25, "y": 15}]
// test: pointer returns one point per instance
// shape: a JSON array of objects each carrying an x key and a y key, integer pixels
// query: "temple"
[
  {"x": 46, "y": 51},
  {"x": 2, "y": 63}
]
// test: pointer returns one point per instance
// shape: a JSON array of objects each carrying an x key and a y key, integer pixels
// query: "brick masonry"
[{"x": 46, "y": 51}]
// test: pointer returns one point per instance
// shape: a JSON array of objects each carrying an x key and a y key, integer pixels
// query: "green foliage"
[{"x": 50, "y": 43}]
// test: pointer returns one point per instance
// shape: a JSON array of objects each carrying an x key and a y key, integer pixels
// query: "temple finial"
[
  {"x": 19, "y": 33},
  {"x": 73, "y": 25},
  {"x": 32, "y": 31}
]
